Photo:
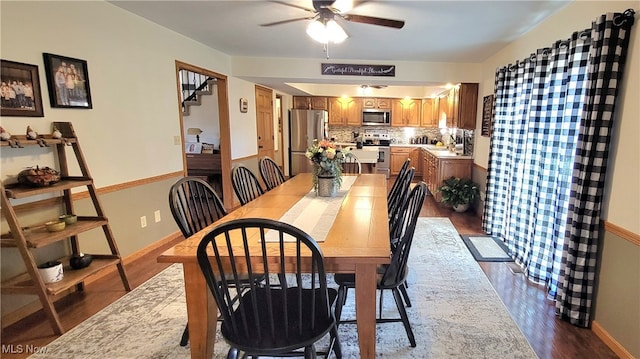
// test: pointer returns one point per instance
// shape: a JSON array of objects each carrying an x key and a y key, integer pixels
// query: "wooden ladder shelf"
[{"x": 25, "y": 239}]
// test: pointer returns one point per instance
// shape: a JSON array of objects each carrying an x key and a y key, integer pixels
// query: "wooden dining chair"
[
  {"x": 397, "y": 181},
  {"x": 194, "y": 205},
  {"x": 394, "y": 274},
  {"x": 397, "y": 195},
  {"x": 287, "y": 315},
  {"x": 351, "y": 164},
  {"x": 245, "y": 184},
  {"x": 270, "y": 172}
]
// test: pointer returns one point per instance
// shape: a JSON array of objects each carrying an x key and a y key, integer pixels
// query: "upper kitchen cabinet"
[
  {"x": 467, "y": 105},
  {"x": 462, "y": 106},
  {"x": 376, "y": 102},
  {"x": 345, "y": 111},
  {"x": 429, "y": 113},
  {"x": 310, "y": 103},
  {"x": 406, "y": 112}
]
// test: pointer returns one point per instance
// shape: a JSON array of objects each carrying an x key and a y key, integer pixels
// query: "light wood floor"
[{"x": 527, "y": 303}]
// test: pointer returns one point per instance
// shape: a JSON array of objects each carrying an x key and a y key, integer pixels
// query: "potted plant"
[{"x": 459, "y": 193}]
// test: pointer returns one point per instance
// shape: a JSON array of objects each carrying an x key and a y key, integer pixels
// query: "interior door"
[{"x": 264, "y": 119}]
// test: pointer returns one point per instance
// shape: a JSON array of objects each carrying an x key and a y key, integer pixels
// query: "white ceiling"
[{"x": 434, "y": 31}]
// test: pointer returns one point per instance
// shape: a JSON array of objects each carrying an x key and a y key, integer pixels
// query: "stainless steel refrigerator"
[{"x": 304, "y": 127}]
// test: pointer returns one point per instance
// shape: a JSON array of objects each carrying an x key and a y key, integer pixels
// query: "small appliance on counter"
[{"x": 357, "y": 139}]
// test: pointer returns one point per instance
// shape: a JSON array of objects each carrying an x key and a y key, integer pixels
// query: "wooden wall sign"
[
  {"x": 358, "y": 70},
  {"x": 487, "y": 115}
]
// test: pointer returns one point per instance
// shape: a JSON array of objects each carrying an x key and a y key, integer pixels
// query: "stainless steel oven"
[{"x": 381, "y": 140}]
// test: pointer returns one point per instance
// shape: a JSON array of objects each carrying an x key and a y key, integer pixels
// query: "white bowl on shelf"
[{"x": 51, "y": 272}]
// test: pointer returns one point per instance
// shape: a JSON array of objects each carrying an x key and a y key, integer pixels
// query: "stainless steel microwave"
[{"x": 376, "y": 117}]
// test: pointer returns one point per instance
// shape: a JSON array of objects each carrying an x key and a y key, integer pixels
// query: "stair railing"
[{"x": 191, "y": 84}]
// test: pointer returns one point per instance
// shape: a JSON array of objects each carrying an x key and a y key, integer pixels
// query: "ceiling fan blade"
[
  {"x": 374, "y": 21},
  {"x": 288, "y": 21}
]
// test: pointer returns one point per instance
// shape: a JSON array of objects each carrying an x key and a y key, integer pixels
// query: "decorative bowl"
[
  {"x": 51, "y": 272},
  {"x": 79, "y": 261},
  {"x": 55, "y": 226},
  {"x": 38, "y": 176},
  {"x": 69, "y": 218}
]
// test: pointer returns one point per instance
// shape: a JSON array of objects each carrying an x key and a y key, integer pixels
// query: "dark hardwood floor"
[{"x": 527, "y": 303}]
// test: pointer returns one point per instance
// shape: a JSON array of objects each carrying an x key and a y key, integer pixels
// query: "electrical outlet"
[
  {"x": 156, "y": 215},
  {"x": 143, "y": 221},
  {"x": 176, "y": 140}
]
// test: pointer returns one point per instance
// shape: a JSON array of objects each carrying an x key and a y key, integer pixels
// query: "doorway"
[{"x": 206, "y": 142}]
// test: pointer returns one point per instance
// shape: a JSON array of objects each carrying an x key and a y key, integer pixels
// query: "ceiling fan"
[{"x": 325, "y": 12}]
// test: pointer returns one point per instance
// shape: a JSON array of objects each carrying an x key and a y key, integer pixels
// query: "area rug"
[
  {"x": 487, "y": 249},
  {"x": 455, "y": 313}
]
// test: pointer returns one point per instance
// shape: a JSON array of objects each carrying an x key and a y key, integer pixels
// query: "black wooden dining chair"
[
  {"x": 287, "y": 315},
  {"x": 245, "y": 184},
  {"x": 398, "y": 193},
  {"x": 194, "y": 205},
  {"x": 351, "y": 164},
  {"x": 398, "y": 180},
  {"x": 270, "y": 172},
  {"x": 393, "y": 275},
  {"x": 397, "y": 198}
]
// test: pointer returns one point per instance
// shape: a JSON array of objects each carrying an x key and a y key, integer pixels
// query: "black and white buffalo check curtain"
[{"x": 548, "y": 158}]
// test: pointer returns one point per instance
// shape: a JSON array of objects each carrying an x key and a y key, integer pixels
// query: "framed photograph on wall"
[
  {"x": 20, "y": 90},
  {"x": 68, "y": 81}
]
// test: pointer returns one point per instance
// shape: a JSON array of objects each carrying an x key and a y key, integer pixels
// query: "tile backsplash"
[{"x": 399, "y": 135}]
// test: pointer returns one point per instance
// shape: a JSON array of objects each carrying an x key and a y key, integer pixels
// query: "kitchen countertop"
[{"x": 439, "y": 152}]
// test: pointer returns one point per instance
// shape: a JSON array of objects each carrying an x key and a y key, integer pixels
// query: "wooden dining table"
[{"x": 357, "y": 242}]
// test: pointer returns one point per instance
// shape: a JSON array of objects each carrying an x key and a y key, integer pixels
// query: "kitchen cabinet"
[
  {"x": 435, "y": 170},
  {"x": 310, "y": 103},
  {"x": 459, "y": 105},
  {"x": 345, "y": 111},
  {"x": 18, "y": 205},
  {"x": 466, "y": 106},
  {"x": 428, "y": 119},
  {"x": 376, "y": 102},
  {"x": 400, "y": 154},
  {"x": 406, "y": 112},
  {"x": 440, "y": 108}
]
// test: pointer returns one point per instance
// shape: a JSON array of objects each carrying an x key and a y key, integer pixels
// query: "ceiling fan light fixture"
[
  {"x": 317, "y": 31},
  {"x": 331, "y": 32},
  {"x": 343, "y": 5},
  {"x": 335, "y": 32}
]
